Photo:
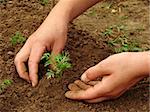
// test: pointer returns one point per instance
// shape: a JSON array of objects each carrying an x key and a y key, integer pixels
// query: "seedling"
[
  {"x": 118, "y": 39},
  {"x": 5, "y": 84},
  {"x": 113, "y": 31},
  {"x": 92, "y": 13},
  {"x": 44, "y": 2},
  {"x": 18, "y": 38},
  {"x": 56, "y": 65},
  {"x": 124, "y": 17},
  {"x": 122, "y": 44},
  {"x": 107, "y": 5}
]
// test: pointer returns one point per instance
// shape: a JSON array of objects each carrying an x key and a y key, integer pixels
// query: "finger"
[
  {"x": 34, "y": 59},
  {"x": 82, "y": 85},
  {"x": 97, "y": 100},
  {"x": 90, "y": 93},
  {"x": 20, "y": 60},
  {"x": 22, "y": 71},
  {"x": 114, "y": 94},
  {"x": 73, "y": 87},
  {"x": 58, "y": 46},
  {"x": 94, "y": 72},
  {"x": 92, "y": 83}
]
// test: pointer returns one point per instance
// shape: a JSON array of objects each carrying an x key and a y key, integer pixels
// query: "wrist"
[
  {"x": 61, "y": 13},
  {"x": 143, "y": 60},
  {"x": 58, "y": 18}
]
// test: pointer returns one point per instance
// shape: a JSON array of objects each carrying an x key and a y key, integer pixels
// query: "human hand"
[
  {"x": 118, "y": 72},
  {"x": 50, "y": 36}
]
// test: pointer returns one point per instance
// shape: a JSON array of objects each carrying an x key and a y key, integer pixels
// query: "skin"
[
  {"x": 119, "y": 72},
  {"x": 52, "y": 35}
]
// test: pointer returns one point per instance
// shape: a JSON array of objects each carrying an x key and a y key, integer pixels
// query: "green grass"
[
  {"x": 18, "y": 38},
  {"x": 57, "y": 66},
  {"x": 5, "y": 84}
]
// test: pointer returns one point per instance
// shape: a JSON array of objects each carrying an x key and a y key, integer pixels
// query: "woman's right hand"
[{"x": 50, "y": 36}]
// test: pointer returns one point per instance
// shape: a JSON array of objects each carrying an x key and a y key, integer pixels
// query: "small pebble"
[
  {"x": 10, "y": 2},
  {"x": 113, "y": 11},
  {"x": 10, "y": 53}
]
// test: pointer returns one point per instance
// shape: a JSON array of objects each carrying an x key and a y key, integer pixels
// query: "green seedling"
[
  {"x": 113, "y": 31},
  {"x": 4, "y": 85},
  {"x": 56, "y": 65},
  {"x": 107, "y": 5},
  {"x": 118, "y": 39},
  {"x": 121, "y": 44},
  {"x": 107, "y": 32},
  {"x": 44, "y": 2},
  {"x": 92, "y": 13},
  {"x": 18, "y": 38},
  {"x": 124, "y": 17}
]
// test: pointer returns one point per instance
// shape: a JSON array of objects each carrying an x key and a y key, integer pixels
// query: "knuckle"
[
  {"x": 87, "y": 72},
  {"x": 16, "y": 60},
  {"x": 32, "y": 62},
  {"x": 90, "y": 70}
]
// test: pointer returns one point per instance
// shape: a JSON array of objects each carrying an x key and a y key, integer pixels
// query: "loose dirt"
[{"x": 86, "y": 49}]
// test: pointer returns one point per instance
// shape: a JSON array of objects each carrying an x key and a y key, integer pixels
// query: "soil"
[{"x": 86, "y": 48}]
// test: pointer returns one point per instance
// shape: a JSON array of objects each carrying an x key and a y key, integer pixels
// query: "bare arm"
[
  {"x": 51, "y": 36},
  {"x": 119, "y": 72},
  {"x": 67, "y": 10}
]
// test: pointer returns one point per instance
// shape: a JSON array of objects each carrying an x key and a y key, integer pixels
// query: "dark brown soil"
[{"x": 85, "y": 51}]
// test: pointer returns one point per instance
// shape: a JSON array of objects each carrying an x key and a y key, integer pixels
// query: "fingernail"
[
  {"x": 84, "y": 78},
  {"x": 67, "y": 94},
  {"x": 33, "y": 84}
]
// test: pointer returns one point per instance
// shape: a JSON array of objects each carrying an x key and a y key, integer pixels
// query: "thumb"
[{"x": 94, "y": 72}]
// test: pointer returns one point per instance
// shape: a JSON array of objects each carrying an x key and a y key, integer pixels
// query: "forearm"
[{"x": 66, "y": 10}]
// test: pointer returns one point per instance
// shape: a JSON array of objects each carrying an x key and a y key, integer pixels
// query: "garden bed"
[{"x": 86, "y": 49}]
